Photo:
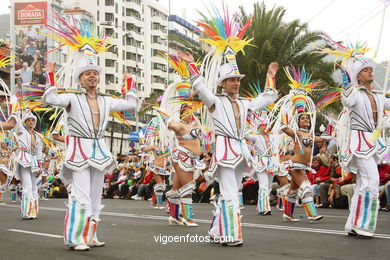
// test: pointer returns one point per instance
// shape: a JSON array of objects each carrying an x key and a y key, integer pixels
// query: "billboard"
[
  {"x": 30, "y": 13},
  {"x": 30, "y": 43}
]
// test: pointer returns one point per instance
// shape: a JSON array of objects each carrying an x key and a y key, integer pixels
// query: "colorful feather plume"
[
  {"x": 179, "y": 65},
  {"x": 332, "y": 96},
  {"x": 5, "y": 58},
  {"x": 343, "y": 52},
  {"x": 300, "y": 80},
  {"x": 77, "y": 35},
  {"x": 224, "y": 30}
]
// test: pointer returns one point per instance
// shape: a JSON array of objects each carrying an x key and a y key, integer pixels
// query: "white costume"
[
  {"x": 231, "y": 156},
  {"x": 264, "y": 174},
  {"x": 363, "y": 153},
  {"x": 29, "y": 161},
  {"x": 87, "y": 158}
]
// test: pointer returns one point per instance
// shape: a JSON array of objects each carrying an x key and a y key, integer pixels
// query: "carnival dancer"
[
  {"x": 184, "y": 143},
  {"x": 6, "y": 169},
  {"x": 87, "y": 158},
  {"x": 231, "y": 156},
  {"x": 29, "y": 160},
  {"x": 186, "y": 160},
  {"x": 265, "y": 165},
  {"x": 296, "y": 119},
  {"x": 299, "y": 163},
  {"x": 359, "y": 134},
  {"x": 43, "y": 185},
  {"x": 159, "y": 168}
]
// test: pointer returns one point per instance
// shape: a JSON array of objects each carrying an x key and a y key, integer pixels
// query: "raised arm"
[
  {"x": 205, "y": 95},
  {"x": 10, "y": 124},
  {"x": 50, "y": 97},
  {"x": 348, "y": 93},
  {"x": 131, "y": 101},
  {"x": 270, "y": 94},
  {"x": 288, "y": 131}
]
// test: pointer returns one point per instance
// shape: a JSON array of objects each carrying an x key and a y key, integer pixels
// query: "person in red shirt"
[{"x": 321, "y": 175}]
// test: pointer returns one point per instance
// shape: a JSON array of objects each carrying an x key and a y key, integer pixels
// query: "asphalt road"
[{"x": 133, "y": 230}]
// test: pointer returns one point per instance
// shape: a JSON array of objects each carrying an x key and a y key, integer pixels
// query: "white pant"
[
  {"x": 265, "y": 181},
  {"x": 227, "y": 220},
  {"x": 230, "y": 182},
  {"x": 364, "y": 205},
  {"x": 87, "y": 187},
  {"x": 29, "y": 183}
]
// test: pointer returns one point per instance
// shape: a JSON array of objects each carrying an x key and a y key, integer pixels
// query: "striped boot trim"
[
  {"x": 229, "y": 221},
  {"x": 310, "y": 209},
  {"x": 366, "y": 213},
  {"x": 76, "y": 225},
  {"x": 13, "y": 196},
  {"x": 289, "y": 208},
  {"x": 174, "y": 210},
  {"x": 241, "y": 199},
  {"x": 263, "y": 202},
  {"x": 28, "y": 207},
  {"x": 280, "y": 202},
  {"x": 159, "y": 200},
  {"x": 186, "y": 211},
  {"x": 154, "y": 200}
]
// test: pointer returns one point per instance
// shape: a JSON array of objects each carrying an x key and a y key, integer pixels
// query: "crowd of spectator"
[{"x": 31, "y": 48}]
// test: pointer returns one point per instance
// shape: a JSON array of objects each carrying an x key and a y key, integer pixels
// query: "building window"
[
  {"x": 109, "y": 2},
  {"x": 132, "y": 13},
  {"x": 155, "y": 39},
  {"x": 156, "y": 53},
  {"x": 110, "y": 78},
  {"x": 109, "y": 31},
  {"x": 110, "y": 63},
  {"x": 109, "y": 17},
  {"x": 159, "y": 66},
  {"x": 113, "y": 49}
]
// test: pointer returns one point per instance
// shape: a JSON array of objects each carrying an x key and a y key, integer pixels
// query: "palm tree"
[{"x": 288, "y": 43}]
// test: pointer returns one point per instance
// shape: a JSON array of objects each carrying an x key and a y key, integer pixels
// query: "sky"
[{"x": 343, "y": 20}]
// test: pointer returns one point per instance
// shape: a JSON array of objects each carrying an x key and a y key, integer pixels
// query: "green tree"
[{"x": 288, "y": 43}]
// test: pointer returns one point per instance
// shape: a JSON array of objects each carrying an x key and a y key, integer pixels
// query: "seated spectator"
[
  {"x": 113, "y": 186},
  {"x": 58, "y": 189},
  {"x": 320, "y": 176},
  {"x": 334, "y": 175},
  {"x": 142, "y": 188},
  {"x": 348, "y": 189},
  {"x": 249, "y": 191}
]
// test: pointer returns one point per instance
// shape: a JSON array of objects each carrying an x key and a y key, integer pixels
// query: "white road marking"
[
  {"x": 206, "y": 221},
  {"x": 34, "y": 233}
]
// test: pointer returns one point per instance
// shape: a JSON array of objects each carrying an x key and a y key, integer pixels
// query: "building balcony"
[
  {"x": 158, "y": 19},
  {"x": 160, "y": 73},
  {"x": 109, "y": 70},
  {"x": 158, "y": 86},
  {"x": 133, "y": 49},
  {"x": 160, "y": 47},
  {"x": 109, "y": 9},
  {"x": 133, "y": 20},
  {"x": 134, "y": 6},
  {"x": 111, "y": 56}
]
